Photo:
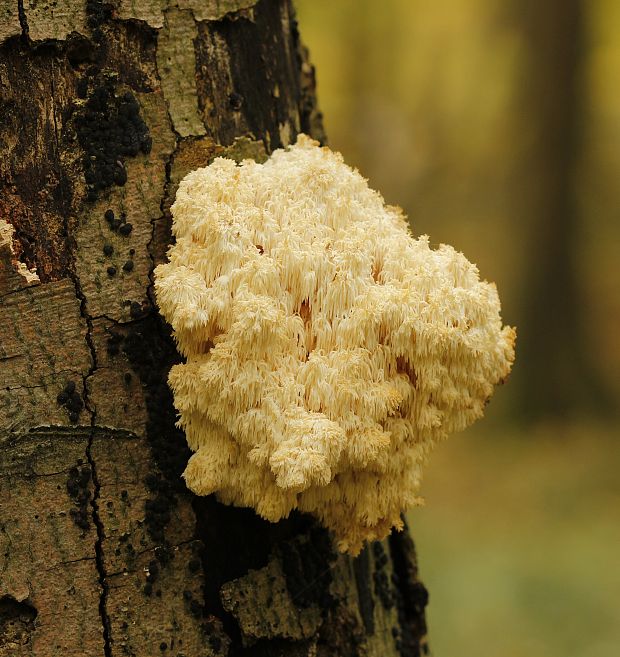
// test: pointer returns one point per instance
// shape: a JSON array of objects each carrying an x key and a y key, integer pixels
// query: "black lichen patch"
[
  {"x": 151, "y": 353},
  {"x": 195, "y": 608},
  {"x": 158, "y": 507},
  {"x": 125, "y": 229},
  {"x": 117, "y": 224},
  {"x": 306, "y": 565},
  {"x": 383, "y": 589},
  {"x": 113, "y": 343},
  {"x": 128, "y": 266},
  {"x": 78, "y": 490},
  {"x": 71, "y": 400},
  {"x": 109, "y": 128}
]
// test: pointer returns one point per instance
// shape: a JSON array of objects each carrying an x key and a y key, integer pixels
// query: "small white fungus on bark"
[
  {"x": 7, "y": 231},
  {"x": 327, "y": 350}
]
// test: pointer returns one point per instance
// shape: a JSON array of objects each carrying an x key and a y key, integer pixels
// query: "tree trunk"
[
  {"x": 556, "y": 375},
  {"x": 104, "y": 107}
]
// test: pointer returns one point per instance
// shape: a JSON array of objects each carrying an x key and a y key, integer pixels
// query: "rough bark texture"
[{"x": 104, "y": 107}]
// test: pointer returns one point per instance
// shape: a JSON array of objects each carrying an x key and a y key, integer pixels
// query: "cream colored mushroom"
[{"x": 327, "y": 350}]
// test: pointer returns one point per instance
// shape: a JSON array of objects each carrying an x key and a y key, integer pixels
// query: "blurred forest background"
[{"x": 495, "y": 124}]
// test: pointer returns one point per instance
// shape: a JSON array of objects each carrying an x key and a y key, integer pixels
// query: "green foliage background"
[{"x": 520, "y": 540}]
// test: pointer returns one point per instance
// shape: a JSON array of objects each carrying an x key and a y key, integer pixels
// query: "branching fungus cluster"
[{"x": 327, "y": 350}]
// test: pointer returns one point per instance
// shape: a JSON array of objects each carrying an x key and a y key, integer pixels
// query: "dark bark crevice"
[
  {"x": 22, "y": 19},
  {"x": 411, "y": 595},
  {"x": 96, "y": 517},
  {"x": 99, "y": 558}
]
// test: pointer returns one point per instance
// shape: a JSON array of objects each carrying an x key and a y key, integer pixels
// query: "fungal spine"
[{"x": 327, "y": 350}]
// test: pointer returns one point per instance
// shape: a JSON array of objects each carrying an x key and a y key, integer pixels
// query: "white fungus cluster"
[{"x": 326, "y": 349}]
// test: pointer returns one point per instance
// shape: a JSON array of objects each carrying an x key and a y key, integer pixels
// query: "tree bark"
[{"x": 104, "y": 107}]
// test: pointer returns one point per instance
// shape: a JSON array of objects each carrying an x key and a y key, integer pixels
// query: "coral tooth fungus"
[{"x": 327, "y": 350}]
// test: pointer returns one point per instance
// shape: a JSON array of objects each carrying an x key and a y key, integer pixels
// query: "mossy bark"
[{"x": 104, "y": 107}]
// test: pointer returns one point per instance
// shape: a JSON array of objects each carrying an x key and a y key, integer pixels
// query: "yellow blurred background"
[{"x": 495, "y": 124}]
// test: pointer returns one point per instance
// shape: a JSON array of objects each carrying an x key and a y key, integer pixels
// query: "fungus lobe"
[{"x": 327, "y": 350}]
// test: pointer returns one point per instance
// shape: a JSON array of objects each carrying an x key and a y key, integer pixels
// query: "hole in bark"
[{"x": 16, "y": 622}]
